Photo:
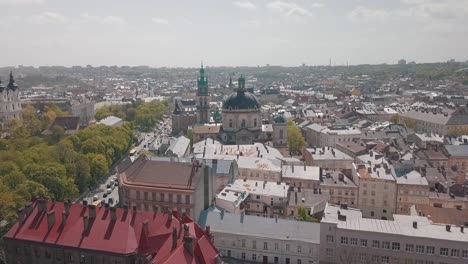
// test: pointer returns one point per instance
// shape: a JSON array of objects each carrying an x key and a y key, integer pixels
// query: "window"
[
  {"x": 299, "y": 261},
  {"x": 385, "y": 259},
  {"x": 385, "y": 244},
  {"x": 409, "y": 247},
  {"x": 420, "y": 249},
  {"x": 36, "y": 253},
  {"x": 162, "y": 197},
  {"x": 170, "y": 197},
  {"x": 243, "y": 123},
  {"x": 287, "y": 261},
  {"x": 430, "y": 250},
  {"x": 254, "y": 244},
  {"x": 187, "y": 199},
  {"x": 254, "y": 256},
  {"x": 287, "y": 247},
  {"x": 153, "y": 196},
  {"x": 329, "y": 252},
  {"x": 230, "y": 122},
  {"x": 330, "y": 238},
  {"x": 444, "y": 251},
  {"x": 281, "y": 134},
  {"x": 455, "y": 253},
  {"x": 395, "y": 246},
  {"x": 48, "y": 255},
  {"x": 229, "y": 253},
  {"x": 375, "y": 258},
  {"x": 376, "y": 244},
  {"x": 362, "y": 257},
  {"x": 265, "y": 245},
  {"x": 344, "y": 240},
  {"x": 276, "y": 260},
  {"x": 373, "y": 193},
  {"x": 255, "y": 122},
  {"x": 363, "y": 243},
  {"x": 465, "y": 254},
  {"x": 353, "y": 241},
  {"x": 179, "y": 199},
  {"x": 145, "y": 194},
  {"x": 299, "y": 249},
  {"x": 243, "y": 255},
  {"x": 276, "y": 246},
  {"x": 138, "y": 194},
  {"x": 243, "y": 243}
]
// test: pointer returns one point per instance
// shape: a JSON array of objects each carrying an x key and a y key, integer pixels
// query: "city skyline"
[{"x": 230, "y": 33}]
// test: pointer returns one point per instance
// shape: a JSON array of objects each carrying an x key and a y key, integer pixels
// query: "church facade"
[{"x": 10, "y": 103}]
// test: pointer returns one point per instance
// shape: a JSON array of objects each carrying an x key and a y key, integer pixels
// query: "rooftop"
[
  {"x": 328, "y": 153},
  {"x": 257, "y": 226},
  {"x": 302, "y": 172},
  {"x": 212, "y": 149},
  {"x": 401, "y": 225},
  {"x": 113, "y": 230},
  {"x": 259, "y": 164},
  {"x": 263, "y": 188},
  {"x": 412, "y": 178}
]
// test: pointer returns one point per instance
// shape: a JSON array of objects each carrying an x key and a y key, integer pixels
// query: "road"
[{"x": 147, "y": 139}]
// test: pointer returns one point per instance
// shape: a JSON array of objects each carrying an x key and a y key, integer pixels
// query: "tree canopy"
[{"x": 295, "y": 139}]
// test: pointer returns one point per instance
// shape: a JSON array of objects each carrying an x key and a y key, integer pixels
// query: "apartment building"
[
  {"x": 158, "y": 184},
  {"x": 412, "y": 189},
  {"x": 340, "y": 188},
  {"x": 302, "y": 177},
  {"x": 259, "y": 169},
  {"x": 437, "y": 120},
  {"x": 377, "y": 186},
  {"x": 347, "y": 237},
  {"x": 327, "y": 158},
  {"x": 322, "y": 136},
  {"x": 253, "y": 239},
  {"x": 56, "y": 232}
]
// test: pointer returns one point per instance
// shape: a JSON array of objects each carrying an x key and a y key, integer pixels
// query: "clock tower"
[{"x": 203, "y": 102}]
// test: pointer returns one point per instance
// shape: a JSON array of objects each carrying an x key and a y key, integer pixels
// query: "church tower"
[
  {"x": 203, "y": 104},
  {"x": 280, "y": 131}
]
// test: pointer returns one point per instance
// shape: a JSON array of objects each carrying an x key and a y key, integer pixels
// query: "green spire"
[{"x": 202, "y": 82}]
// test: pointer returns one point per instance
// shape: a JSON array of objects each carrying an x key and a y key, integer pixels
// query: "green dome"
[
  {"x": 280, "y": 119},
  {"x": 241, "y": 100}
]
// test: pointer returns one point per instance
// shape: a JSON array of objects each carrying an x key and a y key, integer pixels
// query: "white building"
[
  {"x": 111, "y": 121},
  {"x": 320, "y": 136},
  {"x": 303, "y": 177},
  {"x": 263, "y": 240}
]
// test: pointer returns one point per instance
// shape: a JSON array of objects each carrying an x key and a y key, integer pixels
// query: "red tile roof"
[{"x": 125, "y": 235}]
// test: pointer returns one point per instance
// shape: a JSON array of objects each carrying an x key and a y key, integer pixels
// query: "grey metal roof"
[
  {"x": 258, "y": 226},
  {"x": 223, "y": 167},
  {"x": 457, "y": 150}
]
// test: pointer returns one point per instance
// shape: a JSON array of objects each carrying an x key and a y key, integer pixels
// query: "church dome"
[
  {"x": 241, "y": 100},
  {"x": 280, "y": 119}
]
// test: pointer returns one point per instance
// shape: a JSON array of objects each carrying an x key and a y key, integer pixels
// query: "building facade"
[
  {"x": 162, "y": 184},
  {"x": 253, "y": 239}
]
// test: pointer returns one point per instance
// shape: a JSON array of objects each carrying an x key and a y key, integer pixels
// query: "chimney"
[
  {"x": 169, "y": 215},
  {"x": 92, "y": 211},
  {"x": 106, "y": 206},
  {"x": 208, "y": 230},
  {"x": 85, "y": 223},
  {"x": 67, "y": 206},
  {"x": 64, "y": 217},
  {"x": 125, "y": 207},
  {"x": 447, "y": 228},
  {"x": 50, "y": 219},
  {"x": 113, "y": 215},
  {"x": 415, "y": 224},
  {"x": 174, "y": 238},
  {"x": 462, "y": 229},
  {"x": 21, "y": 215},
  {"x": 188, "y": 244},
  {"x": 145, "y": 226},
  {"x": 292, "y": 168},
  {"x": 371, "y": 153},
  {"x": 134, "y": 208},
  {"x": 41, "y": 205},
  {"x": 186, "y": 230},
  {"x": 276, "y": 218},
  {"x": 28, "y": 209},
  {"x": 305, "y": 167},
  {"x": 85, "y": 203},
  {"x": 221, "y": 214}
]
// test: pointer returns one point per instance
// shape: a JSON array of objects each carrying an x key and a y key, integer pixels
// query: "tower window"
[
  {"x": 230, "y": 122},
  {"x": 243, "y": 123},
  {"x": 281, "y": 134},
  {"x": 255, "y": 122}
]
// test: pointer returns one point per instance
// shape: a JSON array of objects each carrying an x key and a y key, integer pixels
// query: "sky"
[{"x": 181, "y": 33}]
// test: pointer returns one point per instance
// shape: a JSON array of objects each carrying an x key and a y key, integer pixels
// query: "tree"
[
  {"x": 303, "y": 215},
  {"x": 31, "y": 121},
  {"x": 395, "y": 119},
  {"x": 28, "y": 189},
  {"x": 410, "y": 123},
  {"x": 295, "y": 139}
]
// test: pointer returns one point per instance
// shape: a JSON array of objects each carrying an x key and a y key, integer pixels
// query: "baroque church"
[
  {"x": 240, "y": 120},
  {"x": 10, "y": 103}
]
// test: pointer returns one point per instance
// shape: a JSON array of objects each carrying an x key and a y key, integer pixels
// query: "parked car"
[
  {"x": 108, "y": 185},
  {"x": 104, "y": 195},
  {"x": 109, "y": 191},
  {"x": 95, "y": 198},
  {"x": 111, "y": 201}
]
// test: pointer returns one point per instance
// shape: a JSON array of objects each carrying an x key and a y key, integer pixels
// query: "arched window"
[
  {"x": 243, "y": 123},
  {"x": 281, "y": 134},
  {"x": 255, "y": 122},
  {"x": 230, "y": 122}
]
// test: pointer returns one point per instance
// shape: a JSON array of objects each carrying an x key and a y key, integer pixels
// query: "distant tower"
[
  {"x": 10, "y": 103},
  {"x": 231, "y": 85},
  {"x": 280, "y": 131},
  {"x": 203, "y": 101}
]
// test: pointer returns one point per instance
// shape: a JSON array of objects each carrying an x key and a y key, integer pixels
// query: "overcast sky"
[{"x": 232, "y": 33}]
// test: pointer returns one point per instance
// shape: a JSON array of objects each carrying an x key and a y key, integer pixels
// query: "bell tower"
[{"x": 203, "y": 103}]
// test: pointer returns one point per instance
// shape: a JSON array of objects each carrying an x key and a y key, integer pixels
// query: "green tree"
[
  {"x": 303, "y": 215},
  {"x": 28, "y": 189},
  {"x": 295, "y": 139},
  {"x": 31, "y": 120},
  {"x": 395, "y": 119},
  {"x": 410, "y": 123}
]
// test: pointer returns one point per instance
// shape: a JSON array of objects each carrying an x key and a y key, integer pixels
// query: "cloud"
[
  {"x": 365, "y": 14},
  {"x": 288, "y": 9},
  {"x": 244, "y": 5},
  {"x": 103, "y": 20},
  {"x": 159, "y": 20},
  {"x": 21, "y": 2},
  {"x": 47, "y": 18},
  {"x": 317, "y": 5}
]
